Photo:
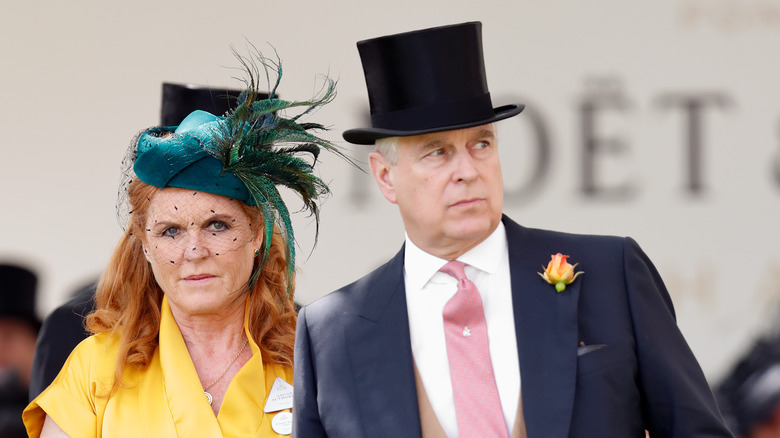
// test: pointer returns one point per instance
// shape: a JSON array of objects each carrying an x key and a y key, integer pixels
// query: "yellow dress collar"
[{"x": 241, "y": 413}]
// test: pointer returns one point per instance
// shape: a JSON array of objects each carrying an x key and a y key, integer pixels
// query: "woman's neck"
[
  {"x": 217, "y": 346},
  {"x": 212, "y": 332}
]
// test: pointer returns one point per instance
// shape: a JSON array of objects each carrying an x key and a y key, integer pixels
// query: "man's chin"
[{"x": 473, "y": 230}]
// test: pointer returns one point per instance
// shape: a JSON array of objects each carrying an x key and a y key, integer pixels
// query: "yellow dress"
[{"x": 164, "y": 400}]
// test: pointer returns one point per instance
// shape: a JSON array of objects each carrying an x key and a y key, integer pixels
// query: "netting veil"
[{"x": 244, "y": 155}]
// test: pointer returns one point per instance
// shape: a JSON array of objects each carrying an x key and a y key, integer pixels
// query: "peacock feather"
[{"x": 265, "y": 149}]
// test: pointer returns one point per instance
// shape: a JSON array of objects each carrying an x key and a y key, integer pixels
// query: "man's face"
[
  {"x": 448, "y": 187},
  {"x": 17, "y": 348}
]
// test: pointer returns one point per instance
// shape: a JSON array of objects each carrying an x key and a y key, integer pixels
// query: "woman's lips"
[{"x": 198, "y": 278}]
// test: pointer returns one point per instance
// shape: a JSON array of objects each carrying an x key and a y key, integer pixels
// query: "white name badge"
[
  {"x": 282, "y": 423},
  {"x": 281, "y": 397}
]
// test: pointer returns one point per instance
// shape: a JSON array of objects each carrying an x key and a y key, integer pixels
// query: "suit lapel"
[
  {"x": 381, "y": 355},
  {"x": 546, "y": 327},
  {"x": 547, "y": 336}
]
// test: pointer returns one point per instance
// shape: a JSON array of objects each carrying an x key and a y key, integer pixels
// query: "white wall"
[{"x": 81, "y": 78}]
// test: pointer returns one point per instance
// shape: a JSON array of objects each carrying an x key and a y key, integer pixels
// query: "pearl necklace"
[{"x": 206, "y": 389}]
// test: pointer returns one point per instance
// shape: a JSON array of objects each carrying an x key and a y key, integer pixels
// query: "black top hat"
[
  {"x": 426, "y": 81},
  {"x": 18, "y": 286},
  {"x": 179, "y": 100}
]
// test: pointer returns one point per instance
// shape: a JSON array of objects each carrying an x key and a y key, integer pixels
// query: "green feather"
[{"x": 261, "y": 146}]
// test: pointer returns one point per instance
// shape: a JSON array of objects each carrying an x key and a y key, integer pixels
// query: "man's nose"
[{"x": 465, "y": 168}]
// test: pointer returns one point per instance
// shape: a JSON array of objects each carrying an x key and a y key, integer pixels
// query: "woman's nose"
[{"x": 195, "y": 247}]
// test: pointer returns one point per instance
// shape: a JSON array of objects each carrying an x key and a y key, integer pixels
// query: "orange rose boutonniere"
[{"x": 559, "y": 272}]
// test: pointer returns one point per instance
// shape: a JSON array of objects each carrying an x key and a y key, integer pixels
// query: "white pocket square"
[{"x": 585, "y": 349}]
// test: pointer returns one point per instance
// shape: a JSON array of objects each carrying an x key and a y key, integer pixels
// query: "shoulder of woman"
[
  {"x": 95, "y": 356},
  {"x": 101, "y": 343}
]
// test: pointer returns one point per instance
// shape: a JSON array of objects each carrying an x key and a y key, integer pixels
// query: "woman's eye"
[
  {"x": 170, "y": 231},
  {"x": 436, "y": 153},
  {"x": 218, "y": 226}
]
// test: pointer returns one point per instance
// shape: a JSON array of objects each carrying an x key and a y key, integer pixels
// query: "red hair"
[{"x": 129, "y": 299}]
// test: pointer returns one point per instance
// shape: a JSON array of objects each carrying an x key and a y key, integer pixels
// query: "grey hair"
[{"x": 388, "y": 147}]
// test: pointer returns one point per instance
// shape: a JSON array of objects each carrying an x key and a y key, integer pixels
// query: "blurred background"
[{"x": 659, "y": 121}]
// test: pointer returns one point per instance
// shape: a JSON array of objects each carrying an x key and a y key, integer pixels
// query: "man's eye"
[{"x": 482, "y": 145}]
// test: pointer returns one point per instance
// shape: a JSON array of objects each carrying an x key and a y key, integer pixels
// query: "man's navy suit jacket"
[{"x": 354, "y": 372}]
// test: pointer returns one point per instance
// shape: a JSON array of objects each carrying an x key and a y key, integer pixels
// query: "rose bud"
[{"x": 559, "y": 272}]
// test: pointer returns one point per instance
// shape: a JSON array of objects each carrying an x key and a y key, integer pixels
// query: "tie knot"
[{"x": 455, "y": 269}]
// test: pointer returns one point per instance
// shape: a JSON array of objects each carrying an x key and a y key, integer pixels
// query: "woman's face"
[{"x": 201, "y": 248}]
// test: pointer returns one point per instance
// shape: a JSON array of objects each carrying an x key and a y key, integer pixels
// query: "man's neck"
[{"x": 453, "y": 249}]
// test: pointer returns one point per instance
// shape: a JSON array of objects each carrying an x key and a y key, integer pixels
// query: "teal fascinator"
[
  {"x": 245, "y": 154},
  {"x": 179, "y": 157}
]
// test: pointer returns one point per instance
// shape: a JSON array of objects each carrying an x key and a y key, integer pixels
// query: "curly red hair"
[{"x": 129, "y": 299}]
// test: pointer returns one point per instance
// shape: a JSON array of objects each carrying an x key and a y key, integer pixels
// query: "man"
[
  {"x": 60, "y": 332},
  {"x": 19, "y": 326},
  {"x": 458, "y": 335},
  {"x": 749, "y": 395}
]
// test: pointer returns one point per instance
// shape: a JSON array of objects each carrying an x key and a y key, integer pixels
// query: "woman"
[{"x": 195, "y": 321}]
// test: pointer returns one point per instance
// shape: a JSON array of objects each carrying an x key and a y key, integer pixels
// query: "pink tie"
[{"x": 477, "y": 406}]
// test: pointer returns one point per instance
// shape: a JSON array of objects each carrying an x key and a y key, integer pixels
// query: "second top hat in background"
[
  {"x": 18, "y": 291},
  {"x": 179, "y": 100}
]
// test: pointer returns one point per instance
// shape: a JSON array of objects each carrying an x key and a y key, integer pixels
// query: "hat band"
[{"x": 435, "y": 116}]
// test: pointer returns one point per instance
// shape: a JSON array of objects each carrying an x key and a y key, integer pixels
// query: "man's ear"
[{"x": 381, "y": 169}]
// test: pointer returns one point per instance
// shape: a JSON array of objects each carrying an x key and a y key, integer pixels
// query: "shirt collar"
[{"x": 419, "y": 266}]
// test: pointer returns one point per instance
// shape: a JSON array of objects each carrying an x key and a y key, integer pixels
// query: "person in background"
[
  {"x": 61, "y": 331},
  {"x": 19, "y": 325},
  {"x": 480, "y": 327},
  {"x": 195, "y": 321},
  {"x": 749, "y": 395},
  {"x": 65, "y": 327}
]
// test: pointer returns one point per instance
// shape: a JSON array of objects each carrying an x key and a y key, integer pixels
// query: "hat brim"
[{"x": 368, "y": 136}]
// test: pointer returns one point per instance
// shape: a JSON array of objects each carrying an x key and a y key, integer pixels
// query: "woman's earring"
[{"x": 257, "y": 252}]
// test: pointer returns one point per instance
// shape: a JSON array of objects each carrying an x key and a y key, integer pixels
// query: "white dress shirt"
[{"x": 427, "y": 291}]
